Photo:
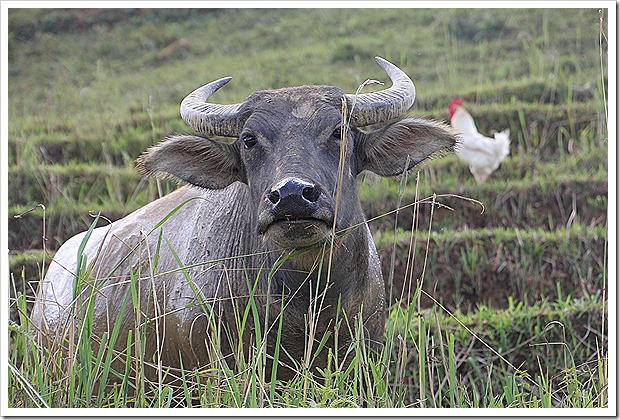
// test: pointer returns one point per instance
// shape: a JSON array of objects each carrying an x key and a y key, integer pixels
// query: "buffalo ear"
[
  {"x": 199, "y": 161},
  {"x": 403, "y": 146}
]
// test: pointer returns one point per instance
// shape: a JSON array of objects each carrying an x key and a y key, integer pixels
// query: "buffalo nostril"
[
  {"x": 274, "y": 197},
  {"x": 311, "y": 194}
]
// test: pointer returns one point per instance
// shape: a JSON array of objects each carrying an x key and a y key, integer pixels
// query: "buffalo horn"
[
  {"x": 384, "y": 105},
  {"x": 366, "y": 108},
  {"x": 208, "y": 118}
]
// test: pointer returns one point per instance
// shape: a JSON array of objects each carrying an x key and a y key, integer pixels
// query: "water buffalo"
[{"x": 270, "y": 232}]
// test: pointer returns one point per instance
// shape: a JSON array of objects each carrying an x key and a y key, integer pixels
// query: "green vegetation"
[{"x": 499, "y": 305}]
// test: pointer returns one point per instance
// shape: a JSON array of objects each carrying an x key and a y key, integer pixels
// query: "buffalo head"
[{"x": 296, "y": 152}]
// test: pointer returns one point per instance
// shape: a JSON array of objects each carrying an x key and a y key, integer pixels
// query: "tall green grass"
[
  {"x": 523, "y": 356},
  {"x": 516, "y": 69}
]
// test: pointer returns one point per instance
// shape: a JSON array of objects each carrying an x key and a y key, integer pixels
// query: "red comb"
[{"x": 456, "y": 102}]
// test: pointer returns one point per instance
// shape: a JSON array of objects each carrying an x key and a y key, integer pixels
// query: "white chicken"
[{"x": 482, "y": 154}]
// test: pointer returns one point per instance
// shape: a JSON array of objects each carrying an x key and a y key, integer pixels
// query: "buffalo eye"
[
  {"x": 337, "y": 132},
  {"x": 249, "y": 141}
]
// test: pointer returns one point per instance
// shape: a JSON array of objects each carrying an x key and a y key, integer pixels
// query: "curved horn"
[
  {"x": 381, "y": 106},
  {"x": 211, "y": 119}
]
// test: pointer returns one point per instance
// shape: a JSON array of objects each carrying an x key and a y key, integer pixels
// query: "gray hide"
[{"x": 240, "y": 232}]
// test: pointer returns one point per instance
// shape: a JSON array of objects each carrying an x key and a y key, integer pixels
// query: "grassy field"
[{"x": 505, "y": 307}]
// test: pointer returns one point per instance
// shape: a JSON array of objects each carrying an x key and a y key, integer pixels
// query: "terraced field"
[{"x": 89, "y": 90}]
